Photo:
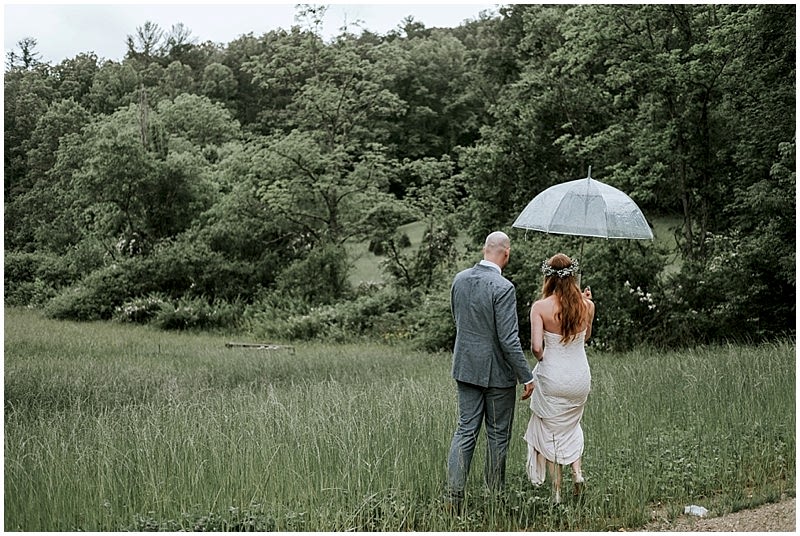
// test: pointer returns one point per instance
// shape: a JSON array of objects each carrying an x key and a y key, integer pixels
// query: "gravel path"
[{"x": 774, "y": 517}]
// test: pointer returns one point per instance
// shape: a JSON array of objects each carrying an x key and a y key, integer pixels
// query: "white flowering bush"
[
  {"x": 641, "y": 296},
  {"x": 140, "y": 310}
]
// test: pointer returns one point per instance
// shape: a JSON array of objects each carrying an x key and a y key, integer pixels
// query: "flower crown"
[{"x": 567, "y": 271}]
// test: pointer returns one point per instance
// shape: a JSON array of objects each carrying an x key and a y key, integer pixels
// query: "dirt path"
[{"x": 774, "y": 517}]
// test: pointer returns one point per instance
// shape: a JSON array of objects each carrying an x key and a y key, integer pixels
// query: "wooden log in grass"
[{"x": 259, "y": 346}]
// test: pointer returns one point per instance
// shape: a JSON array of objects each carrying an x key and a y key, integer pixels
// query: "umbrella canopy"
[{"x": 585, "y": 207}]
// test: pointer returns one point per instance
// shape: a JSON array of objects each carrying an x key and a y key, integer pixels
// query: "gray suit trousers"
[{"x": 495, "y": 406}]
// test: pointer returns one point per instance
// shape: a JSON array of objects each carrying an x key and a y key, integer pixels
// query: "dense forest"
[{"x": 208, "y": 186}]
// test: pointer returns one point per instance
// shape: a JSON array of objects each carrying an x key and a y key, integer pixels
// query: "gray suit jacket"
[{"x": 487, "y": 350}]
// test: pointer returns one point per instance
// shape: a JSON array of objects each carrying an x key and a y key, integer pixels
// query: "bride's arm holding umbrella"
[{"x": 587, "y": 298}]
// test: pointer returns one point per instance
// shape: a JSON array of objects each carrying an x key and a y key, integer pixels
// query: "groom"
[{"x": 487, "y": 363}]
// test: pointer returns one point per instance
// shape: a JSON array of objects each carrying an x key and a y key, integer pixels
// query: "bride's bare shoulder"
[{"x": 545, "y": 304}]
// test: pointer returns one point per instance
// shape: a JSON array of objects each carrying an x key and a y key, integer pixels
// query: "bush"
[
  {"x": 22, "y": 282},
  {"x": 197, "y": 313},
  {"x": 624, "y": 277},
  {"x": 376, "y": 311},
  {"x": 431, "y": 322},
  {"x": 318, "y": 279},
  {"x": 97, "y": 295},
  {"x": 735, "y": 293},
  {"x": 31, "y": 278},
  {"x": 140, "y": 310},
  {"x": 190, "y": 268}
]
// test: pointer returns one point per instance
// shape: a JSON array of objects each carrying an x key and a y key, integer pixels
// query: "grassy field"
[{"x": 112, "y": 427}]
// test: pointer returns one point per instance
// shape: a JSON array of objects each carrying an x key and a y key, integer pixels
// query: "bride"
[{"x": 561, "y": 323}]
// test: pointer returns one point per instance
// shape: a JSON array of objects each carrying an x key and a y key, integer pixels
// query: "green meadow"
[{"x": 113, "y": 427}]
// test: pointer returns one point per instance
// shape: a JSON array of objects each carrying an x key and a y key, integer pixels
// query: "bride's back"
[{"x": 550, "y": 308}]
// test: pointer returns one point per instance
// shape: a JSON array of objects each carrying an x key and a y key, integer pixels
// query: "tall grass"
[{"x": 114, "y": 427}]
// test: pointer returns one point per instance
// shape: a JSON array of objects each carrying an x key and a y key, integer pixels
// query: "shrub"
[
  {"x": 140, "y": 310},
  {"x": 32, "y": 278},
  {"x": 431, "y": 322},
  {"x": 739, "y": 291},
  {"x": 97, "y": 295},
  {"x": 624, "y": 276},
  {"x": 625, "y": 279},
  {"x": 190, "y": 268},
  {"x": 375, "y": 311},
  {"x": 23, "y": 285},
  {"x": 197, "y": 313},
  {"x": 319, "y": 278}
]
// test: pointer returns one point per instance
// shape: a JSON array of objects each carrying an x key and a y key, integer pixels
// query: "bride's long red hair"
[{"x": 573, "y": 308}]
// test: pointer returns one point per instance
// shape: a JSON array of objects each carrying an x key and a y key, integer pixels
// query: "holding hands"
[{"x": 528, "y": 391}]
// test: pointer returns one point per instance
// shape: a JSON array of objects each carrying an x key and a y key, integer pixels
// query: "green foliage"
[
  {"x": 223, "y": 172},
  {"x": 190, "y": 268},
  {"x": 198, "y": 120},
  {"x": 318, "y": 278},
  {"x": 31, "y": 279},
  {"x": 430, "y": 322},
  {"x": 114, "y": 87},
  {"x": 219, "y": 82},
  {"x": 194, "y": 314},
  {"x": 624, "y": 276},
  {"x": 24, "y": 281},
  {"x": 374, "y": 312},
  {"x": 734, "y": 294},
  {"x": 628, "y": 293},
  {"x": 158, "y": 310},
  {"x": 97, "y": 295},
  {"x": 140, "y": 310}
]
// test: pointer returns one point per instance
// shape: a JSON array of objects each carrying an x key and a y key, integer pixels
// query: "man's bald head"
[{"x": 497, "y": 248}]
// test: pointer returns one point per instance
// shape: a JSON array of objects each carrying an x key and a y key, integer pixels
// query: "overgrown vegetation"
[
  {"x": 230, "y": 181},
  {"x": 112, "y": 427}
]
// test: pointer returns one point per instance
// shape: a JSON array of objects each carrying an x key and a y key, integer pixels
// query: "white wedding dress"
[{"x": 561, "y": 386}]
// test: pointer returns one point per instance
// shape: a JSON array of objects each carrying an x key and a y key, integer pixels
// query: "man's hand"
[{"x": 528, "y": 391}]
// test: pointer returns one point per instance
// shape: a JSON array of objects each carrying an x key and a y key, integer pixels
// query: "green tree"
[
  {"x": 146, "y": 44},
  {"x": 74, "y": 77},
  {"x": 430, "y": 75},
  {"x": 198, "y": 120},
  {"x": 34, "y": 206},
  {"x": 178, "y": 78},
  {"x": 434, "y": 201},
  {"x": 114, "y": 86},
  {"x": 26, "y": 58},
  {"x": 328, "y": 162},
  {"x": 27, "y": 96},
  {"x": 219, "y": 83}
]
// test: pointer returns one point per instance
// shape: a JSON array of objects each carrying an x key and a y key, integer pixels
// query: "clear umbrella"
[{"x": 585, "y": 207}]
